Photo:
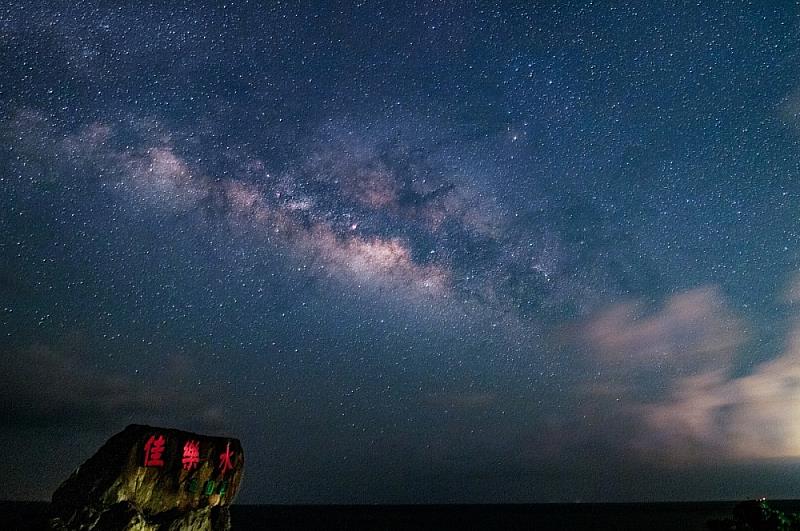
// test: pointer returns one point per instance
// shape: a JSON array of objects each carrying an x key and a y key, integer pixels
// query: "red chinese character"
[
  {"x": 191, "y": 455},
  {"x": 153, "y": 449},
  {"x": 225, "y": 458}
]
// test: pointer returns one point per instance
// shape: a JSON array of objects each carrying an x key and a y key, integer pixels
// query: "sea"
[{"x": 683, "y": 516}]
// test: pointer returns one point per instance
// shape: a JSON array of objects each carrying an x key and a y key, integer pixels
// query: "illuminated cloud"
[
  {"x": 706, "y": 412},
  {"x": 716, "y": 415},
  {"x": 694, "y": 330}
]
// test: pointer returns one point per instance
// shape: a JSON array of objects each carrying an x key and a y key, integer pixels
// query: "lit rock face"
[{"x": 152, "y": 479}]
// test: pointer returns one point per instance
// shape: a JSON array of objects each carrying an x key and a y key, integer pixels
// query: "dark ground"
[{"x": 622, "y": 517}]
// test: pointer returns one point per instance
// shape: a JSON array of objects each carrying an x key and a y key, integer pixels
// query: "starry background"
[{"x": 407, "y": 251}]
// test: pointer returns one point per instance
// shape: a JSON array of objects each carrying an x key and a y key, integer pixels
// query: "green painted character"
[
  {"x": 223, "y": 487},
  {"x": 193, "y": 485},
  {"x": 209, "y": 487}
]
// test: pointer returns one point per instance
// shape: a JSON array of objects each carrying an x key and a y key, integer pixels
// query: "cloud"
[
  {"x": 45, "y": 385},
  {"x": 792, "y": 295},
  {"x": 693, "y": 331},
  {"x": 747, "y": 417},
  {"x": 705, "y": 411}
]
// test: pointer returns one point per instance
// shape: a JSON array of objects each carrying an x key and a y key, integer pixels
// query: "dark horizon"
[
  {"x": 617, "y": 516},
  {"x": 407, "y": 251}
]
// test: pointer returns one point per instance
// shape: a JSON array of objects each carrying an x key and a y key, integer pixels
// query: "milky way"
[{"x": 407, "y": 253}]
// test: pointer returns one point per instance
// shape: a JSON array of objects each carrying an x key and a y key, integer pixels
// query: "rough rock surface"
[{"x": 152, "y": 479}]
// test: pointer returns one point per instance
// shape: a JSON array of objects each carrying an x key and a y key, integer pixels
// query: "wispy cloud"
[
  {"x": 693, "y": 331},
  {"x": 717, "y": 414},
  {"x": 706, "y": 411},
  {"x": 46, "y": 385}
]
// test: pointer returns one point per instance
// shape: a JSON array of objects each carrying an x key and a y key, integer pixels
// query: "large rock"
[{"x": 146, "y": 478}]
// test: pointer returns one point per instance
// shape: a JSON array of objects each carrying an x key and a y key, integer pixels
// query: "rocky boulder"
[{"x": 152, "y": 479}]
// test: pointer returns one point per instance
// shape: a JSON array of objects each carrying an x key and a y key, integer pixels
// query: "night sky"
[{"x": 407, "y": 252}]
